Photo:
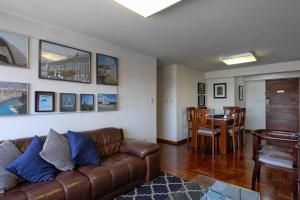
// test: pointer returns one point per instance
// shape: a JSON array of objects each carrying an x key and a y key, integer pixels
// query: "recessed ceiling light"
[
  {"x": 239, "y": 58},
  {"x": 146, "y": 8}
]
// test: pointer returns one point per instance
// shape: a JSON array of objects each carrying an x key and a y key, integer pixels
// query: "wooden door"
[{"x": 282, "y": 104}]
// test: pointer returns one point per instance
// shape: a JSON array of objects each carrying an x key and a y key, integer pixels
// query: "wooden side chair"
[
  {"x": 229, "y": 110},
  {"x": 242, "y": 119},
  {"x": 278, "y": 150},
  {"x": 234, "y": 129},
  {"x": 189, "y": 117},
  {"x": 204, "y": 126}
]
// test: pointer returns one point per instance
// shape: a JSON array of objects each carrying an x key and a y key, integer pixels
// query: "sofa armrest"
[{"x": 138, "y": 148}]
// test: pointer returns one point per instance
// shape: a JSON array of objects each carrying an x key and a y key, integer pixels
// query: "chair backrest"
[
  {"x": 229, "y": 110},
  {"x": 204, "y": 118},
  {"x": 189, "y": 116},
  {"x": 242, "y": 116}
]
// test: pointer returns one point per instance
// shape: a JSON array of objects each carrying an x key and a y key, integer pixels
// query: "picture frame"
[
  {"x": 64, "y": 63},
  {"x": 44, "y": 101},
  {"x": 241, "y": 93},
  {"x": 220, "y": 90},
  {"x": 67, "y": 102},
  {"x": 107, "y": 102},
  {"x": 106, "y": 69},
  {"x": 14, "y": 98},
  {"x": 14, "y": 51},
  {"x": 201, "y": 100},
  {"x": 87, "y": 102},
  {"x": 201, "y": 88}
]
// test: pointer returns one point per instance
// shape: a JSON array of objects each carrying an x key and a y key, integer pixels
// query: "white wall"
[{"x": 137, "y": 86}]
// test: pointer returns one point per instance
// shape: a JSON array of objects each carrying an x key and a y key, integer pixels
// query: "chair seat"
[
  {"x": 208, "y": 131},
  {"x": 229, "y": 130},
  {"x": 275, "y": 157}
]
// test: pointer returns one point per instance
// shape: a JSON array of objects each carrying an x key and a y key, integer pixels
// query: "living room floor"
[{"x": 185, "y": 162}]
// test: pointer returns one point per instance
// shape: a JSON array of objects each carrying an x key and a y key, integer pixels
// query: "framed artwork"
[
  {"x": 201, "y": 100},
  {"x": 201, "y": 88},
  {"x": 67, "y": 102},
  {"x": 13, "y": 49},
  {"x": 107, "y": 70},
  {"x": 44, "y": 101},
  {"x": 87, "y": 102},
  {"x": 241, "y": 93},
  {"x": 13, "y": 98},
  {"x": 107, "y": 102},
  {"x": 220, "y": 91},
  {"x": 59, "y": 62}
]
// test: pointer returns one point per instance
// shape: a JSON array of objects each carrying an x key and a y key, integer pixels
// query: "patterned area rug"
[{"x": 164, "y": 187}]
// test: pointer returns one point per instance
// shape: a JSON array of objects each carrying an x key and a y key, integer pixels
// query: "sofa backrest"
[{"x": 108, "y": 140}]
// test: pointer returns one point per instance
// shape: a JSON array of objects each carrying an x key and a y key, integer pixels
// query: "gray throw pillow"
[
  {"x": 56, "y": 151},
  {"x": 8, "y": 153}
]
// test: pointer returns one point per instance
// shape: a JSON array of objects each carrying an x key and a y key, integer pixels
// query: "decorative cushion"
[
  {"x": 208, "y": 130},
  {"x": 8, "y": 153},
  {"x": 56, "y": 151},
  {"x": 83, "y": 149},
  {"x": 31, "y": 166}
]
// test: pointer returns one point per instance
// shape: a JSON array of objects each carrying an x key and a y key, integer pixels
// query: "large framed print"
[
  {"x": 220, "y": 91},
  {"x": 13, "y": 98},
  {"x": 13, "y": 49},
  {"x": 44, "y": 101},
  {"x": 67, "y": 102},
  {"x": 59, "y": 62},
  {"x": 107, "y": 70},
  {"x": 87, "y": 102},
  {"x": 107, "y": 102}
]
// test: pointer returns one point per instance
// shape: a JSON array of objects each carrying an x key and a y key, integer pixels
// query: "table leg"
[{"x": 223, "y": 142}]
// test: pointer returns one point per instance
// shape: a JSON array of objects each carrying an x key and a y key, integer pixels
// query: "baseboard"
[{"x": 175, "y": 143}]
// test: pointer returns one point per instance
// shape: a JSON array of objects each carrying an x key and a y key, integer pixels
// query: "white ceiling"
[{"x": 194, "y": 33}]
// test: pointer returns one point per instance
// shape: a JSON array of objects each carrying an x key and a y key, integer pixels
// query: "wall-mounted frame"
[
  {"x": 67, "y": 102},
  {"x": 220, "y": 90},
  {"x": 106, "y": 69},
  {"x": 241, "y": 93},
  {"x": 44, "y": 101},
  {"x": 60, "y": 62},
  {"x": 201, "y": 88},
  {"x": 13, "y": 49},
  {"x": 87, "y": 102},
  {"x": 13, "y": 98},
  {"x": 107, "y": 102},
  {"x": 201, "y": 100}
]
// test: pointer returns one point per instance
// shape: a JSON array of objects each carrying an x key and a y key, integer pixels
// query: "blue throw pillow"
[
  {"x": 84, "y": 150},
  {"x": 31, "y": 166}
]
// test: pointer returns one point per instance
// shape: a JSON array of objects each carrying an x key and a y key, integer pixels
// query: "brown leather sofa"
[{"x": 125, "y": 165}]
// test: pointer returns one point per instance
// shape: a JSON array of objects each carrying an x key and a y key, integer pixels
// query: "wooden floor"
[{"x": 185, "y": 162}]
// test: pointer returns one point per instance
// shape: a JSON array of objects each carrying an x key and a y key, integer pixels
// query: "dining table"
[{"x": 223, "y": 123}]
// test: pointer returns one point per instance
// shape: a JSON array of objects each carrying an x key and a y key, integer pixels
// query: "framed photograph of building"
[
  {"x": 107, "y": 102},
  {"x": 201, "y": 100},
  {"x": 201, "y": 88},
  {"x": 67, "y": 102},
  {"x": 13, "y": 98},
  {"x": 44, "y": 101},
  {"x": 59, "y": 62},
  {"x": 13, "y": 49},
  {"x": 220, "y": 91},
  {"x": 107, "y": 70},
  {"x": 87, "y": 102}
]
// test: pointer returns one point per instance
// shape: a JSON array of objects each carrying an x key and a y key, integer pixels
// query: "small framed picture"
[
  {"x": 201, "y": 88},
  {"x": 201, "y": 100},
  {"x": 241, "y": 93},
  {"x": 67, "y": 102},
  {"x": 44, "y": 101},
  {"x": 220, "y": 91},
  {"x": 87, "y": 102},
  {"x": 107, "y": 69},
  {"x": 107, "y": 102}
]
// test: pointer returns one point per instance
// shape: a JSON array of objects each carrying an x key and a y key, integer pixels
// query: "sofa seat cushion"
[{"x": 15, "y": 195}]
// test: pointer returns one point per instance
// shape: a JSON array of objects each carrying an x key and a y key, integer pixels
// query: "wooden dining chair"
[
  {"x": 229, "y": 110},
  {"x": 269, "y": 151},
  {"x": 204, "y": 126},
  {"x": 189, "y": 117},
  {"x": 242, "y": 119},
  {"x": 234, "y": 129}
]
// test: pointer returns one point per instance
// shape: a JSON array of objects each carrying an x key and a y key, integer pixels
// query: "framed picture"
[
  {"x": 87, "y": 102},
  {"x": 59, "y": 62},
  {"x": 67, "y": 102},
  {"x": 201, "y": 88},
  {"x": 44, "y": 101},
  {"x": 107, "y": 70},
  {"x": 13, "y": 98},
  {"x": 241, "y": 93},
  {"x": 201, "y": 100},
  {"x": 107, "y": 102},
  {"x": 220, "y": 91},
  {"x": 13, "y": 49}
]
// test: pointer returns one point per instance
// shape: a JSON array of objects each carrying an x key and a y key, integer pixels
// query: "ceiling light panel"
[{"x": 239, "y": 59}]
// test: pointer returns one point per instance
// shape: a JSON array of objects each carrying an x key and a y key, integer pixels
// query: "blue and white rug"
[{"x": 164, "y": 187}]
